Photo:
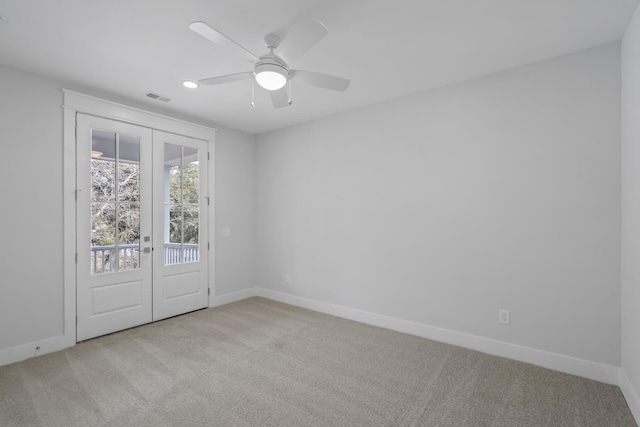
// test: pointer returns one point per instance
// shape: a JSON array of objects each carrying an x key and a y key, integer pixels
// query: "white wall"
[
  {"x": 235, "y": 208},
  {"x": 31, "y": 291},
  {"x": 442, "y": 207},
  {"x": 31, "y": 263},
  {"x": 631, "y": 215}
]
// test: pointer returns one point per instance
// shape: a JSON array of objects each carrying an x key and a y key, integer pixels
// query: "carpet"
[{"x": 258, "y": 362}]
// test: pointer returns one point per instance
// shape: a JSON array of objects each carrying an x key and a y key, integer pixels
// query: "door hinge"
[
  {"x": 208, "y": 155},
  {"x": 208, "y": 291},
  {"x": 76, "y": 257},
  {"x": 76, "y": 320},
  {"x": 208, "y": 246},
  {"x": 208, "y": 201}
]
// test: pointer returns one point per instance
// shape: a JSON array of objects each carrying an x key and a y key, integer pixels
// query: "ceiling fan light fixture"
[{"x": 271, "y": 76}]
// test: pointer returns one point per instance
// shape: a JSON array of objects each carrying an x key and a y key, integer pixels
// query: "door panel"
[
  {"x": 117, "y": 296},
  {"x": 114, "y": 211},
  {"x": 180, "y": 212},
  {"x": 181, "y": 285}
]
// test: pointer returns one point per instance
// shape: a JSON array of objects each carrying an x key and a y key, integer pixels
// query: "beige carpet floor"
[{"x": 261, "y": 363}]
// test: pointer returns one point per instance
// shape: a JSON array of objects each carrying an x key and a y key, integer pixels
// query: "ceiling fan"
[{"x": 271, "y": 71}]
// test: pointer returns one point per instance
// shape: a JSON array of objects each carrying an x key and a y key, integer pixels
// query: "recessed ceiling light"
[{"x": 189, "y": 84}]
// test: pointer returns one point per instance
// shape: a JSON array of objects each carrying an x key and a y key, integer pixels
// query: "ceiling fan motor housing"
[{"x": 271, "y": 63}]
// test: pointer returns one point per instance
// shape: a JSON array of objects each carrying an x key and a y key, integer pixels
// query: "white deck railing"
[
  {"x": 172, "y": 253},
  {"x": 104, "y": 259}
]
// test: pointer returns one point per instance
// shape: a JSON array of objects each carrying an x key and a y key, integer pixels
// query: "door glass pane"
[
  {"x": 128, "y": 168},
  {"x": 175, "y": 224},
  {"x": 115, "y": 196},
  {"x": 191, "y": 230},
  {"x": 129, "y": 148},
  {"x": 173, "y": 236},
  {"x": 103, "y": 237},
  {"x": 191, "y": 224},
  {"x": 103, "y": 168},
  {"x": 173, "y": 172},
  {"x": 182, "y": 226},
  {"x": 190, "y": 176},
  {"x": 128, "y": 236}
]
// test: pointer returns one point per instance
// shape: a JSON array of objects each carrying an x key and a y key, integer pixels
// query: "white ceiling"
[{"x": 387, "y": 48}]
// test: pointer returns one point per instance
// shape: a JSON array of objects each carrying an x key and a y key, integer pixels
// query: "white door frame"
[{"x": 75, "y": 102}]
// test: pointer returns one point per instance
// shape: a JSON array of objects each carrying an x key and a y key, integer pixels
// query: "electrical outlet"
[
  {"x": 504, "y": 316},
  {"x": 226, "y": 232},
  {"x": 287, "y": 278}
]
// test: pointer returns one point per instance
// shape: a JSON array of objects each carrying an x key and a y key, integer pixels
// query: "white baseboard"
[
  {"x": 558, "y": 362},
  {"x": 232, "y": 297},
  {"x": 50, "y": 345},
  {"x": 37, "y": 348},
  {"x": 584, "y": 368},
  {"x": 630, "y": 394}
]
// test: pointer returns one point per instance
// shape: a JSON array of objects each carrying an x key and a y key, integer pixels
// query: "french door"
[
  {"x": 141, "y": 225},
  {"x": 180, "y": 202}
]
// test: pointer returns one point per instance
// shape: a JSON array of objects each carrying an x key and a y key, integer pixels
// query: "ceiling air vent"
[{"x": 158, "y": 97}]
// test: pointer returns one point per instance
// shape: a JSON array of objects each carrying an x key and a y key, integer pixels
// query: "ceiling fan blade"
[
  {"x": 227, "y": 78},
  {"x": 324, "y": 81},
  {"x": 220, "y": 39},
  {"x": 279, "y": 97},
  {"x": 300, "y": 39}
]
